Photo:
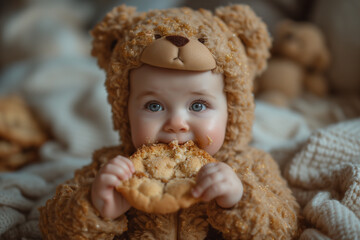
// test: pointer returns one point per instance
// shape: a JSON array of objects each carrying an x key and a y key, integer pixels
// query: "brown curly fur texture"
[
  {"x": 267, "y": 209},
  {"x": 242, "y": 21},
  {"x": 240, "y": 48}
]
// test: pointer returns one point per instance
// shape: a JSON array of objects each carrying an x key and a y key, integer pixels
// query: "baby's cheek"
[
  {"x": 211, "y": 138},
  {"x": 143, "y": 133},
  {"x": 213, "y": 142}
]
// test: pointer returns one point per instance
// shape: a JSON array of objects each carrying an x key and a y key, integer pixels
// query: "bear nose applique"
[{"x": 178, "y": 41}]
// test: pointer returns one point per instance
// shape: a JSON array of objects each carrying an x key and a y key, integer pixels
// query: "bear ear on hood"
[
  {"x": 109, "y": 31},
  {"x": 251, "y": 30}
]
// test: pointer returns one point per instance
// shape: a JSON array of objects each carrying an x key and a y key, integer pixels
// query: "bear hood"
[{"x": 232, "y": 41}]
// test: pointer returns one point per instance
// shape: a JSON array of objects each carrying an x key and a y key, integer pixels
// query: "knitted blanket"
[{"x": 325, "y": 178}]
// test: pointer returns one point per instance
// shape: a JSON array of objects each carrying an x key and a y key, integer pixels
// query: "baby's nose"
[{"x": 176, "y": 124}]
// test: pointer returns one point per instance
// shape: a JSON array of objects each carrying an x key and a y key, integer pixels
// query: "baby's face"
[{"x": 166, "y": 105}]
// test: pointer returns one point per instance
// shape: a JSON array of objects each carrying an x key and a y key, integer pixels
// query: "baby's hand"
[
  {"x": 218, "y": 181},
  {"x": 110, "y": 203}
]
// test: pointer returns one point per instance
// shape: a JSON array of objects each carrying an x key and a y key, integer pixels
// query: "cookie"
[
  {"x": 164, "y": 176},
  {"x": 7, "y": 148},
  {"x": 18, "y": 160},
  {"x": 18, "y": 125}
]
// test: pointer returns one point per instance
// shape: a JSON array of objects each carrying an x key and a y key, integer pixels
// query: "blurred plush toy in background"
[{"x": 300, "y": 58}]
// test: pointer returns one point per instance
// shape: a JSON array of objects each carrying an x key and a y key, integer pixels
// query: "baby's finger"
[
  {"x": 127, "y": 171},
  {"x": 213, "y": 191},
  {"x": 203, "y": 184},
  {"x": 120, "y": 171},
  {"x": 120, "y": 159},
  {"x": 124, "y": 163},
  {"x": 109, "y": 180},
  {"x": 206, "y": 170}
]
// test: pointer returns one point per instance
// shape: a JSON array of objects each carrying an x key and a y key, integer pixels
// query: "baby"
[
  {"x": 166, "y": 105},
  {"x": 179, "y": 74}
]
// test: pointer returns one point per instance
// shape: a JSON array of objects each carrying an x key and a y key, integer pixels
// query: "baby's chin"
[{"x": 211, "y": 149}]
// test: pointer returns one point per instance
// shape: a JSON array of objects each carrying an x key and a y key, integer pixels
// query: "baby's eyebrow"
[
  {"x": 147, "y": 93},
  {"x": 203, "y": 93}
]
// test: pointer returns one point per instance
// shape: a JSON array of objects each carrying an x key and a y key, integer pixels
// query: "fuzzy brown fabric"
[{"x": 239, "y": 43}]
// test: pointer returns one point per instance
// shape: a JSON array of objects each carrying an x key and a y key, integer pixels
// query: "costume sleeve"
[
  {"x": 267, "y": 209},
  {"x": 70, "y": 213}
]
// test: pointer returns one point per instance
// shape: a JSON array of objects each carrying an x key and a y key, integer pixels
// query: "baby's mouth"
[{"x": 179, "y": 140}]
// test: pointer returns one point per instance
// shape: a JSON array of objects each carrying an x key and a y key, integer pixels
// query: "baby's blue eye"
[
  {"x": 198, "y": 107},
  {"x": 154, "y": 107}
]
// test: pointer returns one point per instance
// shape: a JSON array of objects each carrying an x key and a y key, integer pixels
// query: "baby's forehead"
[
  {"x": 146, "y": 77},
  {"x": 149, "y": 72}
]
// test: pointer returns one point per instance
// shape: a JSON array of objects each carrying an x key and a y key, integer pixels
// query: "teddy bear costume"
[{"x": 234, "y": 42}]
